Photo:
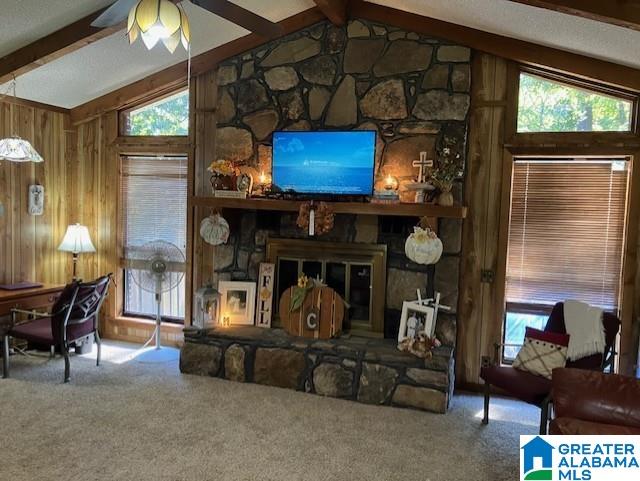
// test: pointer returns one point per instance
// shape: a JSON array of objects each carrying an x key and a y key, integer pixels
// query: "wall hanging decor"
[
  {"x": 423, "y": 246},
  {"x": 36, "y": 200},
  {"x": 316, "y": 218},
  {"x": 238, "y": 302},
  {"x": 215, "y": 229},
  {"x": 264, "y": 308}
]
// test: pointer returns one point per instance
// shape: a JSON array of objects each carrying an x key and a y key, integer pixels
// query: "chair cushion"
[
  {"x": 37, "y": 332},
  {"x": 542, "y": 352},
  {"x": 523, "y": 385},
  {"x": 577, "y": 427}
]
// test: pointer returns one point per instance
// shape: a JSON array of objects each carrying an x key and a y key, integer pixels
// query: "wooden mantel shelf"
[{"x": 364, "y": 208}]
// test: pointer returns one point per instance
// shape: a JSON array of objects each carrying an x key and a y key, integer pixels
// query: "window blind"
[
  {"x": 153, "y": 207},
  {"x": 566, "y": 231}
]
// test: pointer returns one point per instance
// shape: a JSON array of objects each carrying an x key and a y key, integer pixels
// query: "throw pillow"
[{"x": 542, "y": 352}]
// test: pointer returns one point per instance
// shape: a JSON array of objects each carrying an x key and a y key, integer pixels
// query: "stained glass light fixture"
[
  {"x": 15, "y": 149},
  {"x": 159, "y": 20}
]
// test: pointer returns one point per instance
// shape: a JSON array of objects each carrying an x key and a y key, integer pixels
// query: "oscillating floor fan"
[{"x": 157, "y": 267}]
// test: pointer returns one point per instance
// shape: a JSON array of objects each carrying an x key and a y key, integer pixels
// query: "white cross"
[{"x": 422, "y": 164}]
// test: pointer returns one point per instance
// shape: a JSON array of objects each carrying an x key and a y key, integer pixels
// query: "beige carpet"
[{"x": 128, "y": 421}]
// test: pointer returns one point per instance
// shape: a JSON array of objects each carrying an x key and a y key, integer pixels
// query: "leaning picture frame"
[
  {"x": 237, "y": 303},
  {"x": 416, "y": 318}
]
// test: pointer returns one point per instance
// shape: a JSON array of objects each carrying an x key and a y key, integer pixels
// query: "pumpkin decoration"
[
  {"x": 321, "y": 214},
  {"x": 423, "y": 246},
  {"x": 214, "y": 230}
]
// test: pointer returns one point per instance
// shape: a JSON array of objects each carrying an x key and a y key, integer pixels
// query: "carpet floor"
[{"x": 128, "y": 421}]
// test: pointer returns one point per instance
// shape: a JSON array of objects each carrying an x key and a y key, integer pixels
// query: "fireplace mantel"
[{"x": 363, "y": 208}]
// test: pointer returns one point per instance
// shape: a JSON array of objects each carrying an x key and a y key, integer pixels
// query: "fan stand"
[{"x": 157, "y": 354}]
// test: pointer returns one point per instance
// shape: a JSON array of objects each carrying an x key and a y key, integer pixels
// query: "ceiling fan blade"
[
  {"x": 115, "y": 14},
  {"x": 241, "y": 16}
]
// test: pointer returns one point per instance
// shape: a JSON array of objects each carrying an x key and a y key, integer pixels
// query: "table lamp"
[{"x": 76, "y": 240}]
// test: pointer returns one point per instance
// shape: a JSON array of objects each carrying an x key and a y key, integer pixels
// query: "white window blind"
[
  {"x": 566, "y": 232},
  {"x": 153, "y": 207}
]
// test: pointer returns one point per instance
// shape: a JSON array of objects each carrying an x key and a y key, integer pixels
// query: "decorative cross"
[{"x": 422, "y": 164}]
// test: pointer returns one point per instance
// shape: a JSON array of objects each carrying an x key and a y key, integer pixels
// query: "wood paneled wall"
[
  {"x": 480, "y": 311},
  {"x": 28, "y": 244}
]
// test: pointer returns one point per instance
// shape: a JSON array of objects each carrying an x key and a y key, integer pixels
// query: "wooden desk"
[{"x": 38, "y": 298}]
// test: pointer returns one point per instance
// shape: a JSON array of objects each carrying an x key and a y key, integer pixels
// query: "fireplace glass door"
[{"x": 351, "y": 280}]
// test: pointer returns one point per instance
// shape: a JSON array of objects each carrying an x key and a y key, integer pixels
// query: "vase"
[{"x": 445, "y": 198}]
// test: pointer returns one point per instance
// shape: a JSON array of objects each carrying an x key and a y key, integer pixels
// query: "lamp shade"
[
  {"x": 15, "y": 149},
  {"x": 158, "y": 20},
  {"x": 77, "y": 240}
]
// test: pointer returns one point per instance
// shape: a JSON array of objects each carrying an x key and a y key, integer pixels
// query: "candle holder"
[{"x": 391, "y": 183}]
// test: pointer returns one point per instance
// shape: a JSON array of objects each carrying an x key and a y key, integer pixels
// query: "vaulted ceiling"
[{"x": 111, "y": 63}]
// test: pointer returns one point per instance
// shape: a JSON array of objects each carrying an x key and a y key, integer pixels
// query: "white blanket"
[{"x": 584, "y": 324}]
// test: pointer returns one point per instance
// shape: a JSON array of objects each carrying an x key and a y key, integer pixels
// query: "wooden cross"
[{"x": 422, "y": 164}]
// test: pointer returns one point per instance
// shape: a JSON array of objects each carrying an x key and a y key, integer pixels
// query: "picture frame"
[
  {"x": 237, "y": 303},
  {"x": 264, "y": 305},
  {"x": 416, "y": 318}
]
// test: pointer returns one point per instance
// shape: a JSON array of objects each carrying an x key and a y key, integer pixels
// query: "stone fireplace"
[{"x": 413, "y": 90}]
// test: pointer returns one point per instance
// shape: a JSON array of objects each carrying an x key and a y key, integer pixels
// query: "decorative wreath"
[{"x": 324, "y": 217}]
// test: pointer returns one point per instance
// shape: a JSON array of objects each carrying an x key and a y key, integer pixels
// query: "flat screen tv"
[{"x": 324, "y": 163}]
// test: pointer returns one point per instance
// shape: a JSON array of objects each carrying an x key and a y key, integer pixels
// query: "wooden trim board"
[{"x": 623, "y": 14}]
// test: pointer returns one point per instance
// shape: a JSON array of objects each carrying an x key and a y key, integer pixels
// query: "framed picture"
[
  {"x": 264, "y": 306},
  {"x": 416, "y": 318},
  {"x": 237, "y": 303}
]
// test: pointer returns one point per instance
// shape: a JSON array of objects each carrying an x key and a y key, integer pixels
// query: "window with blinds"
[
  {"x": 153, "y": 207},
  {"x": 566, "y": 237}
]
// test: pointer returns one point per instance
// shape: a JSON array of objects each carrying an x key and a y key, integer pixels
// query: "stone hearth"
[{"x": 370, "y": 371}]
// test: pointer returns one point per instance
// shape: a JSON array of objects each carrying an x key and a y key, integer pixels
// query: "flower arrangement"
[
  {"x": 448, "y": 169},
  {"x": 300, "y": 291},
  {"x": 421, "y": 346},
  {"x": 223, "y": 167}
]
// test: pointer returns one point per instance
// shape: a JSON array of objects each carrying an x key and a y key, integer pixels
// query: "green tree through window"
[
  {"x": 548, "y": 106},
  {"x": 169, "y": 116}
]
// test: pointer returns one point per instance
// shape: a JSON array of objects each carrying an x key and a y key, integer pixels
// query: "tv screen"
[{"x": 338, "y": 163}]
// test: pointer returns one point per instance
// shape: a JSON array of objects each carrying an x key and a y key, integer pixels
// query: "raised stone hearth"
[{"x": 370, "y": 371}]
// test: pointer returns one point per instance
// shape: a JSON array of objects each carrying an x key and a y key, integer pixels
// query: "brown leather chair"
[
  {"x": 73, "y": 318},
  {"x": 589, "y": 402},
  {"x": 534, "y": 389}
]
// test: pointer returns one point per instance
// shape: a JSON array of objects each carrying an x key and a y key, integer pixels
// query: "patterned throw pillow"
[{"x": 542, "y": 352}]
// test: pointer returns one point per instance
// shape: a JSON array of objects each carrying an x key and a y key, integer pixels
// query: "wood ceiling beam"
[
  {"x": 47, "y": 49},
  {"x": 176, "y": 75},
  {"x": 521, "y": 51},
  {"x": 335, "y": 10},
  {"x": 623, "y": 13}
]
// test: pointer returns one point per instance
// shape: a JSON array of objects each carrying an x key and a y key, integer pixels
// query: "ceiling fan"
[{"x": 119, "y": 12}]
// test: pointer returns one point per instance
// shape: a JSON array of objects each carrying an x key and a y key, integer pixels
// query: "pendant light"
[
  {"x": 155, "y": 20},
  {"x": 15, "y": 149}
]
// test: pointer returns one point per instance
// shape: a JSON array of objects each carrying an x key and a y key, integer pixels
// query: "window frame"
[
  {"x": 134, "y": 146},
  {"x": 625, "y": 342},
  {"x": 123, "y": 113},
  {"x": 516, "y": 139}
]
